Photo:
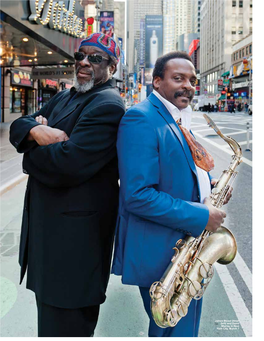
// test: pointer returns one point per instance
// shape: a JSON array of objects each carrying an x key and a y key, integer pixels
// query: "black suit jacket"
[{"x": 71, "y": 199}]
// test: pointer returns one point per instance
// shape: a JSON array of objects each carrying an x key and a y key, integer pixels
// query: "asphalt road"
[{"x": 227, "y": 307}]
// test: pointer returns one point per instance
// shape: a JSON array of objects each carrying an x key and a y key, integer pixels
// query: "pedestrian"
[
  {"x": 71, "y": 199},
  {"x": 209, "y": 107},
  {"x": 163, "y": 190},
  {"x": 215, "y": 108},
  {"x": 246, "y": 107}
]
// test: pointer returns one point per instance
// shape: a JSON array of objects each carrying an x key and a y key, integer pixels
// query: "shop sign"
[
  {"x": 220, "y": 84},
  {"x": 21, "y": 78},
  {"x": 57, "y": 16},
  {"x": 51, "y": 82},
  {"x": 67, "y": 72},
  {"x": 193, "y": 46},
  {"x": 241, "y": 85}
]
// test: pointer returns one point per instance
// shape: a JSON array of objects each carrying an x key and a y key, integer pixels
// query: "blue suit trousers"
[{"x": 186, "y": 327}]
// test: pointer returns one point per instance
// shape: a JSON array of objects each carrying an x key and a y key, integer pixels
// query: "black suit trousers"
[{"x": 61, "y": 322}]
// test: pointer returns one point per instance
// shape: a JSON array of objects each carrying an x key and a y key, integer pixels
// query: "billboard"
[
  {"x": 107, "y": 23},
  {"x": 193, "y": 46},
  {"x": 142, "y": 43},
  {"x": 153, "y": 39}
]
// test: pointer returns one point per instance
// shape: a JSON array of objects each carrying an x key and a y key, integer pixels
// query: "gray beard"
[{"x": 83, "y": 87}]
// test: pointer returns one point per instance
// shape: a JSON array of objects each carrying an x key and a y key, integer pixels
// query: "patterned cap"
[{"x": 104, "y": 42}]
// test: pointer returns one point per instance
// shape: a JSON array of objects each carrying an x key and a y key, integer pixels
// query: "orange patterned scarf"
[{"x": 200, "y": 156}]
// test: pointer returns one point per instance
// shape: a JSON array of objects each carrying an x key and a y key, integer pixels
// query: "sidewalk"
[
  {"x": 10, "y": 161},
  {"x": 7, "y": 151}
]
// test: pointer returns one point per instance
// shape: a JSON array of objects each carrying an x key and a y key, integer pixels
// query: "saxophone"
[{"x": 191, "y": 268}]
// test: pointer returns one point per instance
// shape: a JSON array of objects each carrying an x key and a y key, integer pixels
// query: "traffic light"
[{"x": 139, "y": 87}]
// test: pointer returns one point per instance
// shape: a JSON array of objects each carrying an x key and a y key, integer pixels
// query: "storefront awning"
[
  {"x": 225, "y": 74},
  {"x": 222, "y": 98}
]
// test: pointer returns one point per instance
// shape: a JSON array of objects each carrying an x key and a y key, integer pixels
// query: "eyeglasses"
[{"x": 93, "y": 58}]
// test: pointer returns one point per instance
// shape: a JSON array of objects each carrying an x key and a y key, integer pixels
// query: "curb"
[{"x": 12, "y": 183}]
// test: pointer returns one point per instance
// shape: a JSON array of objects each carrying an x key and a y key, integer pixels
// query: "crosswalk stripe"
[{"x": 235, "y": 299}]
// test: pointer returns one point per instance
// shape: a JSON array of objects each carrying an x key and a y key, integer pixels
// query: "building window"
[
  {"x": 250, "y": 48},
  {"x": 247, "y": 50},
  {"x": 240, "y": 3},
  {"x": 233, "y": 30},
  {"x": 239, "y": 54},
  {"x": 240, "y": 30},
  {"x": 243, "y": 53},
  {"x": 234, "y": 3}
]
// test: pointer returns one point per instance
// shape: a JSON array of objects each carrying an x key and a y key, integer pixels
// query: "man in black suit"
[{"x": 71, "y": 198}]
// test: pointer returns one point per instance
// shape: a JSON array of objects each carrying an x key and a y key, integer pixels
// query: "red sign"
[
  {"x": 50, "y": 82},
  {"x": 220, "y": 82},
  {"x": 193, "y": 46},
  {"x": 90, "y": 21}
]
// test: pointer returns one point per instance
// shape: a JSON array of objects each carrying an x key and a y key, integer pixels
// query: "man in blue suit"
[{"x": 163, "y": 194}]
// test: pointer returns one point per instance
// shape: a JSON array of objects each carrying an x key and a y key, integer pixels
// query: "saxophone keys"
[
  {"x": 194, "y": 288},
  {"x": 182, "y": 309},
  {"x": 170, "y": 317},
  {"x": 206, "y": 270}
]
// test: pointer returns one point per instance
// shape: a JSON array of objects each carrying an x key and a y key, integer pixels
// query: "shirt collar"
[{"x": 185, "y": 114}]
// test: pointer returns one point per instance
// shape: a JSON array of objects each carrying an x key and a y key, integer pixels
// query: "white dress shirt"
[{"x": 186, "y": 117}]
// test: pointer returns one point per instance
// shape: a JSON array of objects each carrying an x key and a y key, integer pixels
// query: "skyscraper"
[
  {"x": 137, "y": 10},
  {"x": 169, "y": 25},
  {"x": 223, "y": 23}
]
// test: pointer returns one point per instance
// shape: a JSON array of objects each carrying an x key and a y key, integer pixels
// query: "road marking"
[
  {"x": 8, "y": 297},
  {"x": 235, "y": 299},
  {"x": 223, "y": 148},
  {"x": 244, "y": 271},
  {"x": 237, "y": 132},
  {"x": 245, "y": 142}
]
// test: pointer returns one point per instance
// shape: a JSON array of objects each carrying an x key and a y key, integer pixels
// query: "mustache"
[
  {"x": 86, "y": 70},
  {"x": 183, "y": 93}
]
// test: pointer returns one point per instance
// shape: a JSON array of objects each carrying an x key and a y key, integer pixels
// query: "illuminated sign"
[
  {"x": 21, "y": 78},
  {"x": 57, "y": 16}
]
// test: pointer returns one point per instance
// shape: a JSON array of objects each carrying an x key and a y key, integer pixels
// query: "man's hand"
[
  {"x": 229, "y": 193},
  {"x": 216, "y": 216},
  {"x": 42, "y": 120},
  {"x": 45, "y": 135}
]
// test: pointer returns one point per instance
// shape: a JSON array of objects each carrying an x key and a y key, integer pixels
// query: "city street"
[{"x": 227, "y": 303}]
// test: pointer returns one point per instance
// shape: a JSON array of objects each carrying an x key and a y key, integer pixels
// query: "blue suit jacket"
[{"x": 159, "y": 193}]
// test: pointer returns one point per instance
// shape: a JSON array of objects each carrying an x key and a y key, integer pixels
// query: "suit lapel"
[
  {"x": 162, "y": 110},
  {"x": 63, "y": 110}
]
